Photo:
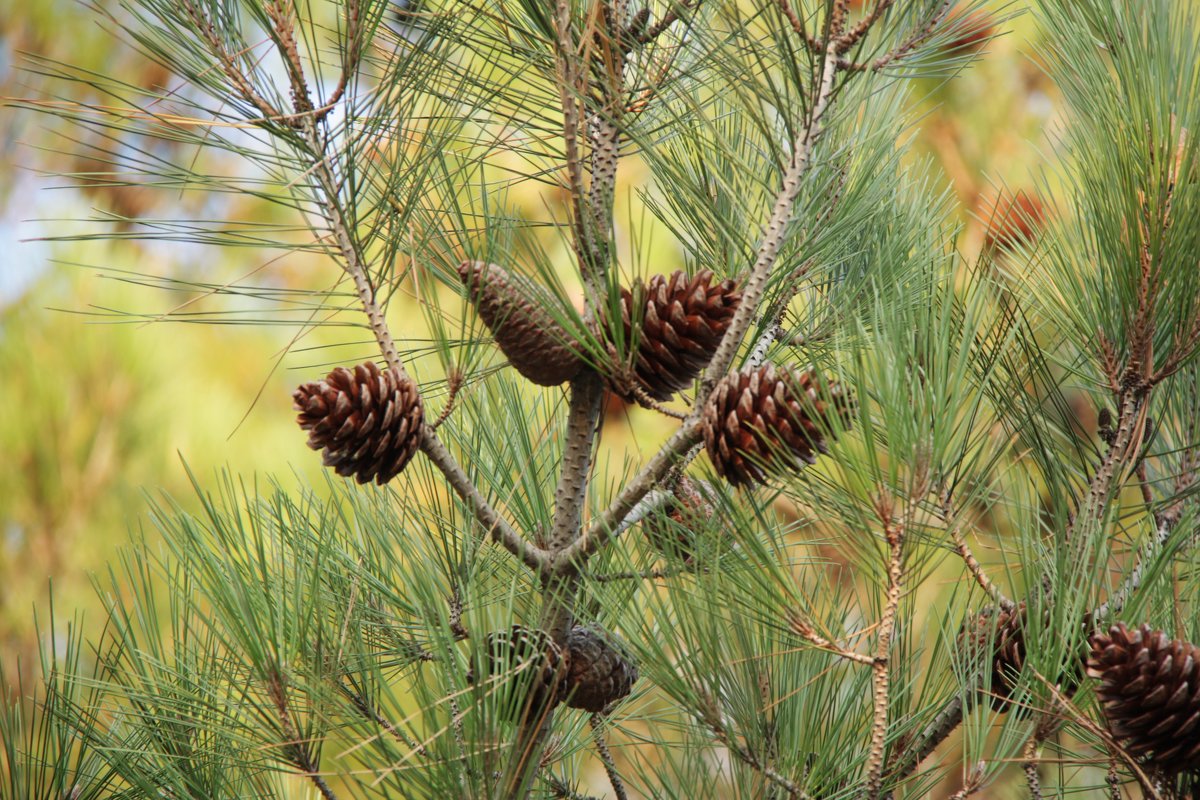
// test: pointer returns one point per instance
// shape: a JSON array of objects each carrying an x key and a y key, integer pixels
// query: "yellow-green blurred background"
[{"x": 100, "y": 410}]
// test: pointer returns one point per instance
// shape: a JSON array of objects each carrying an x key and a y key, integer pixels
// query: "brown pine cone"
[
  {"x": 367, "y": 422},
  {"x": 532, "y": 665},
  {"x": 682, "y": 321},
  {"x": 1003, "y": 631},
  {"x": 599, "y": 669},
  {"x": 534, "y": 343},
  {"x": 1150, "y": 694},
  {"x": 672, "y": 530},
  {"x": 768, "y": 418}
]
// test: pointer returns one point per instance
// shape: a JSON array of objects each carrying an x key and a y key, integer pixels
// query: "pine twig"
[
  {"x": 644, "y": 575},
  {"x": 894, "y": 533},
  {"x": 711, "y": 717},
  {"x": 968, "y": 557},
  {"x": 297, "y": 750},
  {"x": 1030, "y": 766},
  {"x": 805, "y": 630},
  {"x": 601, "y": 531},
  {"x": 610, "y": 766},
  {"x": 454, "y": 382},
  {"x": 561, "y": 790}
]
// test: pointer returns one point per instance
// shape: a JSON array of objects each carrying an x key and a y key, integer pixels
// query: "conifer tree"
[{"x": 876, "y": 548}]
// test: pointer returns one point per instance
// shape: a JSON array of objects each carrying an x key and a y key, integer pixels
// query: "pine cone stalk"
[{"x": 366, "y": 422}]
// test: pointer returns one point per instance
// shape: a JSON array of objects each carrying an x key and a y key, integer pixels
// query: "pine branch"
[
  {"x": 349, "y": 251},
  {"x": 894, "y": 534},
  {"x": 493, "y": 525}
]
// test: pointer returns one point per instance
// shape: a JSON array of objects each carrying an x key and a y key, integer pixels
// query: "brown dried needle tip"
[
  {"x": 535, "y": 345},
  {"x": 766, "y": 419},
  {"x": 367, "y": 423},
  {"x": 1150, "y": 694},
  {"x": 682, "y": 320},
  {"x": 599, "y": 669}
]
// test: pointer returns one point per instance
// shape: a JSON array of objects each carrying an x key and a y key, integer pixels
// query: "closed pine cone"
[
  {"x": 534, "y": 343},
  {"x": 532, "y": 668},
  {"x": 1150, "y": 694},
  {"x": 683, "y": 319},
  {"x": 1004, "y": 631},
  {"x": 672, "y": 531},
  {"x": 599, "y": 669},
  {"x": 366, "y": 422},
  {"x": 770, "y": 418}
]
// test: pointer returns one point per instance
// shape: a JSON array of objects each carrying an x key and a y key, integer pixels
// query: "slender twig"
[
  {"x": 369, "y": 712},
  {"x": 454, "y": 382},
  {"x": 646, "y": 401},
  {"x": 298, "y": 751},
  {"x": 806, "y": 631},
  {"x": 347, "y": 250},
  {"x": 529, "y": 554},
  {"x": 775, "y": 232},
  {"x": 204, "y": 26},
  {"x": 1133, "y": 581},
  {"x": 711, "y": 717},
  {"x": 562, "y": 790},
  {"x": 1113, "y": 779},
  {"x": 968, "y": 557},
  {"x": 670, "y": 18},
  {"x": 918, "y": 37},
  {"x": 610, "y": 766},
  {"x": 856, "y": 33},
  {"x": 894, "y": 533},
  {"x": 645, "y": 575}
]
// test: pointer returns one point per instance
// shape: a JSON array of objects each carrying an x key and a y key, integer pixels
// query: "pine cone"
[
  {"x": 672, "y": 530},
  {"x": 367, "y": 422},
  {"x": 1004, "y": 632},
  {"x": 533, "y": 342},
  {"x": 533, "y": 665},
  {"x": 769, "y": 418},
  {"x": 1150, "y": 694},
  {"x": 599, "y": 669},
  {"x": 682, "y": 321}
]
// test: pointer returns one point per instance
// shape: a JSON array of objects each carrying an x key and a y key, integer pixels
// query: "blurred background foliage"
[{"x": 103, "y": 408}]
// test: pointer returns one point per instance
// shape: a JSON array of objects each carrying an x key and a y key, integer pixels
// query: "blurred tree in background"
[{"x": 1018, "y": 350}]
